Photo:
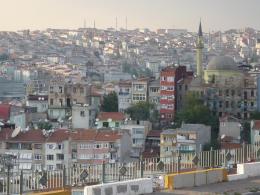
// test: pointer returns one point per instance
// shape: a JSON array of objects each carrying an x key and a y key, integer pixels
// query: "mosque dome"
[{"x": 222, "y": 63}]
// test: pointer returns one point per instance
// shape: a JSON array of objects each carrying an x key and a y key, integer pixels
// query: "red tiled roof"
[
  {"x": 5, "y": 111},
  {"x": 107, "y": 136},
  {"x": 154, "y": 133},
  {"x": 115, "y": 116},
  {"x": 227, "y": 145},
  {"x": 88, "y": 134},
  {"x": 257, "y": 125},
  {"x": 95, "y": 135},
  {"x": 5, "y": 134},
  {"x": 59, "y": 136},
  {"x": 30, "y": 136}
]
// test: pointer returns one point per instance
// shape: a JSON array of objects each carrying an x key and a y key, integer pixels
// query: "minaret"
[{"x": 199, "y": 48}]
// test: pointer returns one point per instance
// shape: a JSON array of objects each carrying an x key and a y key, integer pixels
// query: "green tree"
[
  {"x": 255, "y": 116},
  {"x": 110, "y": 103},
  {"x": 141, "y": 111},
  {"x": 196, "y": 112},
  {"x": 45, "y": 125},
  {"x": 245, "y": 134}
]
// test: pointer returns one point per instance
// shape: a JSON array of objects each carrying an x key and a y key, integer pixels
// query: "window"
[
  {"x": 82, "y": 113},
  {"x": 59, "y": 166},
  {"x": 170, "y": 79},
  {"x": 51, "y": 89},
  {"x": 50, "y": 157},
  {"x": 50, "y": 146},
  {"x": 220, "y": 92},
  {"x": 74, "y": 90},
  {"x": 139, "y": 87},
  {"x": 227, "y": 92},
  {"x": 227, "y": 104},
  {"x": 163, "y": 78},
  {"x": 220, "y": 104},
  {"x": 60, "y": 146},
  {"x": 60, "y": 156},
  {"x": 61, "y": 102},
  {"x": 233, "y": 92},
  {"x": 60, "y": 89},
  {"x": 117, "y": 124},
  {"x": 37, "y": 157},
  {"x": 252, "y": 104},
  {"x": 154, "y": 89},
  {"x": 37, "y": 167},
  {"x": 51, "y": 102},
  {"x": 81, "y": 90},
  {"x": 105, "y": 124},
  {"x": 37, "y": 146},
  {"x": 252, "y": 93},
  {"x": 139, "y": 97},
  {"x": 50, "y": 167},
  {"x": 98, "y": 146}
]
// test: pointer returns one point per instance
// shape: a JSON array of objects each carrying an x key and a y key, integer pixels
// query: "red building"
[{"x": 168, "y": 81}]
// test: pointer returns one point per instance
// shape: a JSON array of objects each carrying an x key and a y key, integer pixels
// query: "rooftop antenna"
[
  {"x": 84, "y": 25},
  {"x": 126, "y": 23},
  {"x": 116, "y": 23},
  {"x": 94, "y": 24}
]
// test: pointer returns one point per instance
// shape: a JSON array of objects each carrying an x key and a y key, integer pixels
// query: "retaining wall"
[
  {"x": 131, "y": 187},
  {"x": 195, "y": 178}
]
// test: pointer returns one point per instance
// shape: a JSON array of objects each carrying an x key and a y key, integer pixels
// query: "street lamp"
[{"x": 7, "y": 161}]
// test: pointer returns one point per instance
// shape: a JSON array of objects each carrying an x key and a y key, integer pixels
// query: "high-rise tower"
[{"x": 199, "y": 48}]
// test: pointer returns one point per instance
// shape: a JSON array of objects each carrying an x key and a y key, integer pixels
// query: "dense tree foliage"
[
  {"x": 110, "y": 103},
  {"x": 141, "y": 111},
  {"x": 45, "y": 125}
]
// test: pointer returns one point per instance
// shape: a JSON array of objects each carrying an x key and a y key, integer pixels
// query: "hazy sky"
[{"x": 215, "y": 14}]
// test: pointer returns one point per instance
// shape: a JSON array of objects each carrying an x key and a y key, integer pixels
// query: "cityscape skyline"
[{"x": 220, "y": 15}]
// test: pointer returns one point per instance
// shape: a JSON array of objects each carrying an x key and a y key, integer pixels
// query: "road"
[{"x": 227, "y": 188}]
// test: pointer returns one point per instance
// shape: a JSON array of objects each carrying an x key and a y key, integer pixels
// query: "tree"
[
  {"x": 255, "y": 116},
  {"x": 140, "y": 111},
  {"x": 45, "y": 125},
  {"x": 245, "y": 134},
  {"x": 110, "y": 103},
  {"x": 195, "y": 111}
]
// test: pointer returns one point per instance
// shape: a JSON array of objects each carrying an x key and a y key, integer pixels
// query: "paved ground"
[{"x": 226, "y": 188}]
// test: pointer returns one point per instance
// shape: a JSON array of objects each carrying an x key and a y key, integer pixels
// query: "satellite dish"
[
  {"x": 109, "y": 120},
  {"x": 223, "y": 136},
  {"x": 97, "y": 119},
  {"x": 2, "y": 124},
  {"x": 16, "y": 131},
  {"x": 27, "y": 128}
]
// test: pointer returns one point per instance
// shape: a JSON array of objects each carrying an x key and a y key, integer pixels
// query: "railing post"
[
  {"x": 8, "y": 180},
  {"x": 21, "y": 182},
  {"x": 64, "y": 176},
  {"x": 141, "y": 166},
  {"x": 211, "y": 157},
  {"x": 103, "y": 172}
]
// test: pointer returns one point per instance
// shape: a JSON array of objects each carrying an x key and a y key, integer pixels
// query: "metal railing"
[{"x": 28, "y": 181}]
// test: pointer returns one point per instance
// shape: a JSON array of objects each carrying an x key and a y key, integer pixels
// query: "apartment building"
[
  {"x": 124, "y": 95},
  {"x": 168, "y": 81},
  {"x": 27, "y": 147},
  {"x": 62, "y": 96},
  {"x": 98, "y": 146},
  {"x": 140, "y": 90},
  {"x": 110, "y": 120},
  {"x": 190, "y": 138},
  {"x": 57, "y": 145}
]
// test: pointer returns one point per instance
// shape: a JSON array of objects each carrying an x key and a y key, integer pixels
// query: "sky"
[{"x": 153, "y": 14}]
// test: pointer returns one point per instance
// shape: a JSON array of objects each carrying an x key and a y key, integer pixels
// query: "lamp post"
[{"x": 6, "y": 161}]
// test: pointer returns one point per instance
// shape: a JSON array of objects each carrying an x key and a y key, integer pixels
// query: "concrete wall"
[
  {"x": 195, "y": 178},
  {"x": 131, "y": 187},
  {"x": 246, "y": 170}
]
